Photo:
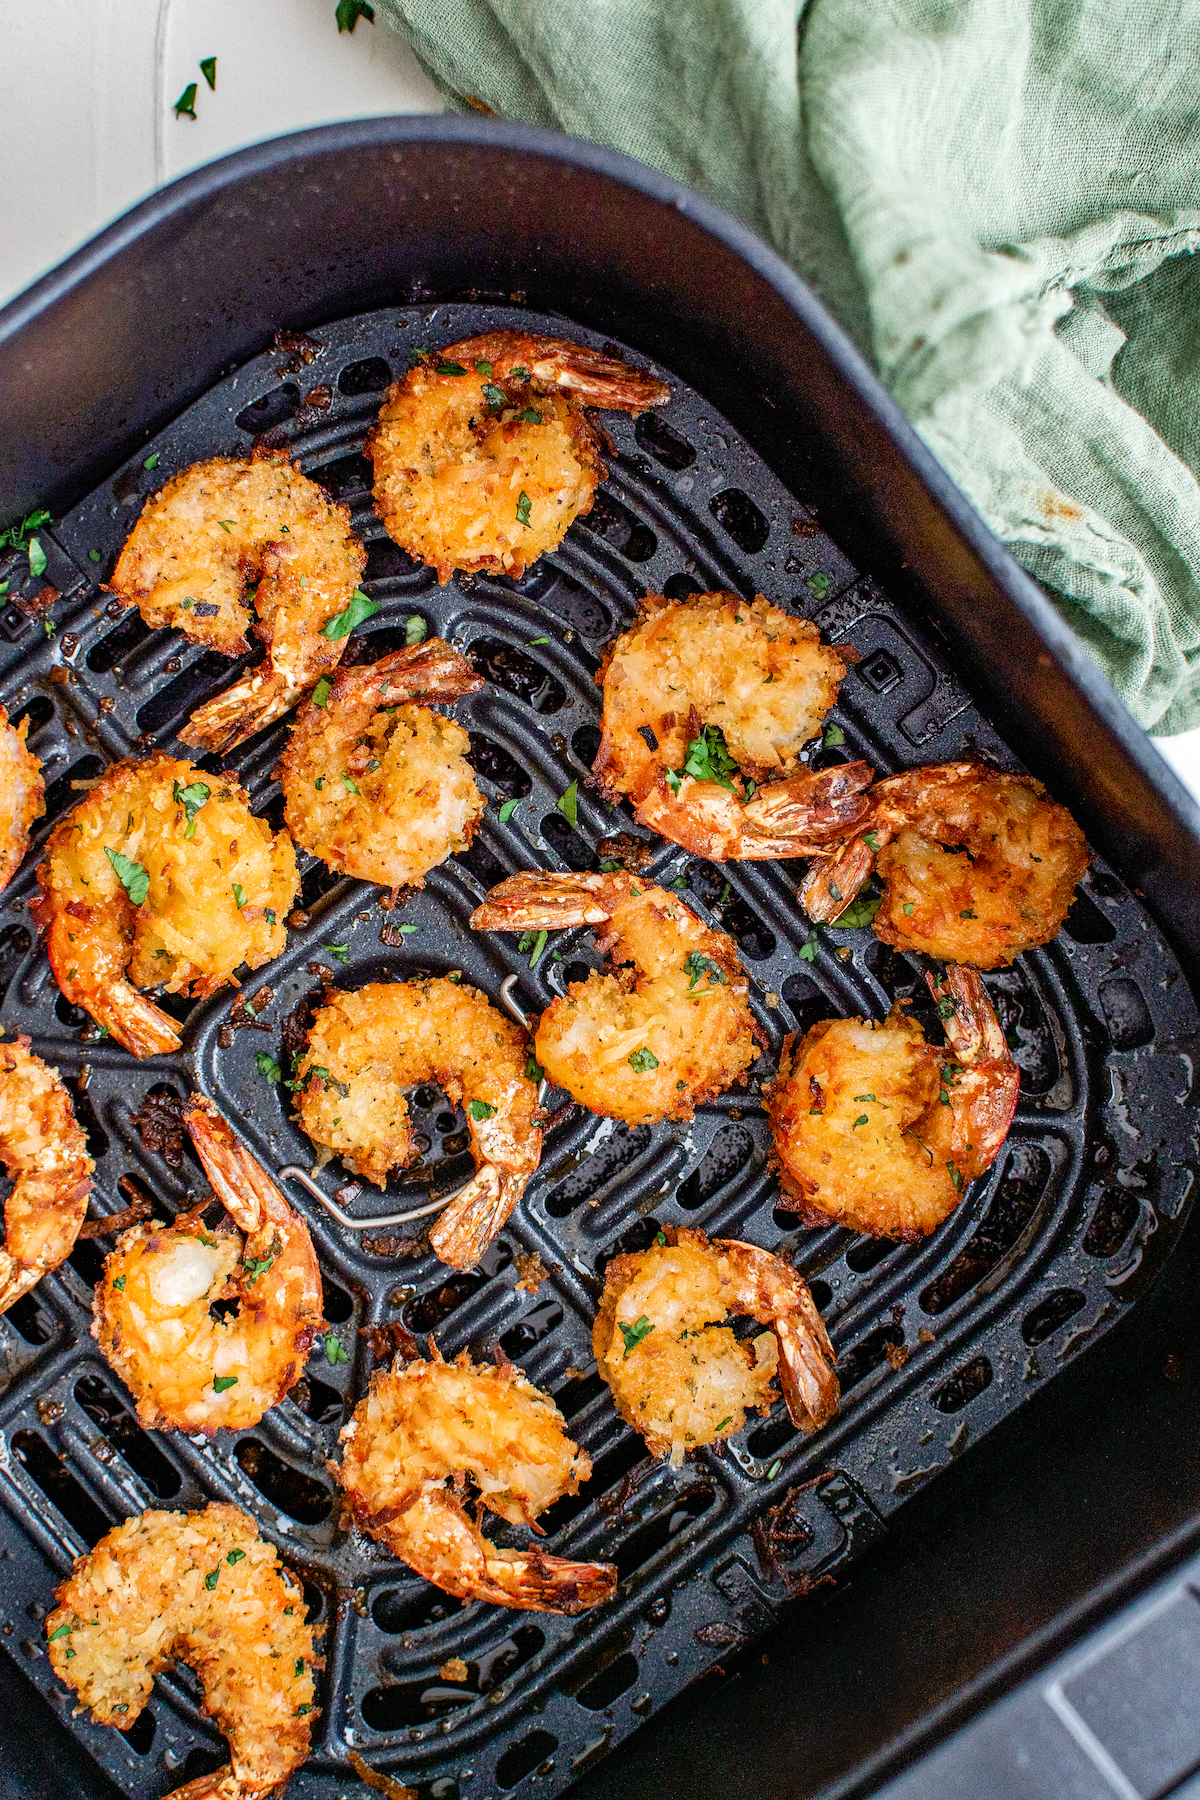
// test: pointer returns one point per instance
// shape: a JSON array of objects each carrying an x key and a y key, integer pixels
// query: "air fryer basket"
[{"x": 938, "y": 1343}]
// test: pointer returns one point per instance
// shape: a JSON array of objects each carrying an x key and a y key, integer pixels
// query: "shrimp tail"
[
  {"x": 984, "y": 1098},
  {"x": 437, "y": 1539},
  {"x": 834, "y": 881},
  {"x": 244, "y": 709},
  {"x": 550, "y": 902},
  {"x": 598, "y": 380},
  {"x": 90, "y": 969},
  {"x": 815, "y": 806},
  {"x": 238, "y": 1179},
  {"x": 795, "y": 817},
  {"x": 811, "y": 1389},
  {"x": 432, "y": 671},
  {"x": 222, "y": 1784},
  {"x": 475, "y": 1215}
]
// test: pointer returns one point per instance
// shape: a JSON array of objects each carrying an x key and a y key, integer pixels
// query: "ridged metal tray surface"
[{"x": 937, "y": 1342}]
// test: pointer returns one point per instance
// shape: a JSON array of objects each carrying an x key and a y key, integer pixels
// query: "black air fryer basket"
[{"x": 1044, "y": 1313}]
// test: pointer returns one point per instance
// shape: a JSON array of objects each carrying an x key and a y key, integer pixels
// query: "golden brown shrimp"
[
  {"x": 204, "y": 538},
  {"x": 977, "y": 866},
  {"x": 22, "y": 795},
  {"x": 365, "y": 1048},
  {"x": 185, "y": 1366},
  {"x": 878, "y": 1130},
  {"x": 200, "y": 1588},
  {"x": 424, "y": 1424},
  {"x": 161, "y": 876},
  {"x": 44, "y": 1151},
  {"x": 681, "y": 1378},
  {"x": 375, "y": 787},
  {"x": 483, "y": 455},
  {"x": 707, "y": 704},
  {"x": 669, "y": 1027}
]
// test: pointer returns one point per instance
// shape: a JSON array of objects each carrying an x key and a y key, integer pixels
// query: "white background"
[{"x": 89, "y": 126}]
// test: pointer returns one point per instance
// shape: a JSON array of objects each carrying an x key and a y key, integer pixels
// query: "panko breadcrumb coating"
[
  {"x": 708, "y": 702},
  {"x": 668, "y": 1028},
  {"x": 976, "y": 865},
  {"x": 22, "y": 795},
  {"x": 375, "y": 787},
  {"x": 191, "y": 561},
  {"x": 44, "y": 1152},
  {"x": 880, "y": 1131},
  {"x": 160, "y": 877},
  {"x": 200, "y": 1588},
  {"x": 483, "y": 455},
  {"x": 425, "y": 1424}
]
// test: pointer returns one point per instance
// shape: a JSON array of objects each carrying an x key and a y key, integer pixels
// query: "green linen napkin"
[{"x": 998, "y": 199}]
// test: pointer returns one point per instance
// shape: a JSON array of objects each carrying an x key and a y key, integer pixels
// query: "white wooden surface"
[{"x": 89, "y": 126}]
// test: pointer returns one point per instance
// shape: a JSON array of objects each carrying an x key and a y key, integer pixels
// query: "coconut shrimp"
[
  {"x": 707, "y": 704},
  {"x": 190, "y": 1367},
  {"x": 375, "y": 787},
  {"x": 977, "y": 866},
  {"x": 878, "y": 1130},
  {"x": 160, "y": 876},
  {"x": 681, "y": 1377},
  {"x": 200, "y": 1588},
  {"x": 365, "y": 1048},
  {"x": 669, "y": 1027},
  {"x": 425, "y": 1427},
  {"x": 483, "y": 454},
  {"x": 201, "y": 543},
  {"x": 22, "y": 795},
  {"x": 44, "y": 1152}
]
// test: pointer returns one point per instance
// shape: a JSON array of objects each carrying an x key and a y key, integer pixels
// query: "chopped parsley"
[
  {"x": 37, "y": 565},
  {"x": 484, "y": 368},
  {"x": 299, "y": 1669},
  {"x": 861, "y": 1120},
  {"x": 479, "y": 1109},
  {"x": 568, "y": 804},
  {"x": 185, "y": 106},
  {"x": 808, "y": 949},
  {"x": 341, "y": 951},
  {"x": 696, "y": 965},
  {"x": 709, "y": 760},
  {"x": 495, "y": 396},
  {"x": 530, "y": 416},
  {"x": 834, "y": 738},
  {"x": 342, "y": 624},
  {"x": 151, "y": 462},
  {"x": 236, "y": 1556},
  {"x": 870, "y": 1097},
  {"x": 449, "y": 368},
  {"x": 406, "y": 930},
  {"x": 725, "y": 1421},
  {"x": 63, "y": 1631},
  {"x": 415, "y": 630},
  {"x": 192, "y": 797},
  {"x": 93, "y": 556},
  {"x": 15, "y": 536},
  {"x": 871, "y": 840},
  {"x": 349, "y": 12},
  {"x": 508, "y": 809},
  {"x": 534, "y": 642},
  {"x": 535, "y": 942},
  {"x": 660, "y": 1239},
  {"x": 523, "y": 505},
  {"x": 350, "y": 786},
  {"x": 256, "y": 1266},
  {"x": 212, "y": 1578},
  {"x": 859, "y": 912},
  {"x": 221, "y": 1382},
  {"x": 908, "y": 909},
  {"x": 819, "y": 583},
  {"x": 641, "y": 1061},
  {"x": 119, "y": 1283},
  {"x": 208, "y": 68},
  {"x": 945, "y": 1008},
  {"x": 239, "y": 895},
  {"x": 519, "y": 373},
  {"x": 967, "y": 913},
  {"x": 267, "y": 1067},
  {"x": 633, "y": 1334},
  {"x": 955, "y": 1176},
  {"x": 774, "y": 1469},
  {"x": 533, "y": 1068},
  {"x": 227, "y": 525},
  {"x": 322, "y": 691},
  {"x": 133, "y": 878},
  {"x": 334, "y": 1354}
]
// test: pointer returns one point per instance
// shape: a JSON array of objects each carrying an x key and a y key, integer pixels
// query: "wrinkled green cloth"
[{"x": 997, "y": 198}]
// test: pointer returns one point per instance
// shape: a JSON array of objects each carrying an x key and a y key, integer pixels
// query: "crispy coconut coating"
[
  {"x": 161, "y": 876},
  {"x": 880, "y": 1131},
  {"x": 977, "y": 866},
  {"x": 213, "y": 531},
  {"x": 424, "y": 1425},
  {"x": 204, "y": 1589},
  {"x": 669, "y": 1027},
  {"x": 483, "y": 456},
  {"x": 677, "y": 1373},
  {"x": 366, "y": 1048},
  {"x": 44, "y": 1153},
  {"x": 22, "y": 795},
  {"x": 379, "y": 789},
  {"x": 191, "y": 1363}
]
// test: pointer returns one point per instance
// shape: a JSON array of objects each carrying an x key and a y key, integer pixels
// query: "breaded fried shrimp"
[
  {"x": 22, "y": 795},
  {"x": 880, "y": 1131},
  {"x": 976, "y": 865},
  {"x": 160, "y": 877},
  {"x": 365, "y": 1048},
  {"x": 708, "y": 702},
  {"x": 188, "y": 1366},
  {"x": 44, "y": 1152},
  {"x": 204, "y": 539},
  {"x": 426, "y": 1424},
  {"x": 378, "y": 788},
  {"x": 483, "y": 454},
  {"x": 679, "y": 1375},
  {"x": 200, "y": 1588},
  {"x": 668, "y": 1028}
]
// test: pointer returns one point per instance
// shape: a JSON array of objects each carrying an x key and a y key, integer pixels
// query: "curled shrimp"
[
  {"x": 200, "y": 1588},
  {"x": 681, "y": 1378},
  {"x": 22, "y": 795},
  {"x": 365, "y": 1048},
  {"x": 878, "y": 1130},
  {"x": 426, "y": 1424},
  {"x": 708, "y": 702},
  {"x": 378, "y": 788},
  {"x": 669, "y": 1027},
  {"x": 161, "y": 876},
  {"x": 44, "y": 1151},
  {"x": 186, "y": 1366},
  {"x": 976, "y": 865},
  {"x": 483, "y": 454},
  {"x": 203, "y": 540}
]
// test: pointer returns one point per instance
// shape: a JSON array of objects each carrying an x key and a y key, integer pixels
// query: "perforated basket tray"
[{"x": 936, "y": 1342}]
